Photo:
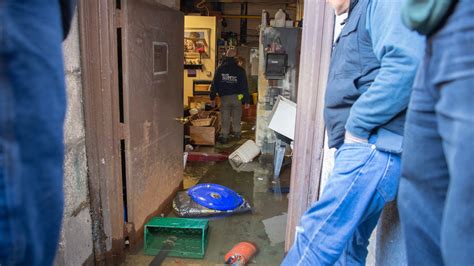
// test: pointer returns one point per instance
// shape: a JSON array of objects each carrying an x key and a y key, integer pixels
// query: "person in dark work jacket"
[
  {"x": 32, "y": 112},
  {"x": 371, "y": 73},
  {"x": 436, "y": 195},
  {"x": 229, "y": 82}
]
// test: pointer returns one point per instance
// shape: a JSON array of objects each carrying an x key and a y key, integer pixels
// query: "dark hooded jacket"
[{"x": 230, "y": 79}]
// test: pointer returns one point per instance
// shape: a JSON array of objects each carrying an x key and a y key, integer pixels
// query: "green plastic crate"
[{"x": 189, "y": 236}]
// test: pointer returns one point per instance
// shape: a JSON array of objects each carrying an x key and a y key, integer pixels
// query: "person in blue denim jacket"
[
  {"x": 436, "y": 196},
  {"x": 373, "y": 65},
  {"x": 32, "y": 110}
]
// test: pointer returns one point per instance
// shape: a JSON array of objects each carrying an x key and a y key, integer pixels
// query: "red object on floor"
[
  {"x": 250, "y": 112},
  {"x": 206, "y": 157},
  {"x": 241, "y": 253}
]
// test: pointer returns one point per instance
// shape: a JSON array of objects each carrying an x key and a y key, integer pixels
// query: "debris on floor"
[
  {"x": 245, "y": 153},
  {"x": 185, "y": 158},
  {"x": 252, "y": 181},
  {"x": 203, "y": 128},
  {"x": 189, "y": 147},
  {"x": 176, "y": 237},
  {"x": 165, "y": 249},
  {"x": 206, "y": 157},
  {"x": 207, "y": 200},
  {"x": 244, "y": 167},
  {"x": 241, "y": 254},
  {"x": 275, "y": 228},
  {"x": 216, "y": 197}
]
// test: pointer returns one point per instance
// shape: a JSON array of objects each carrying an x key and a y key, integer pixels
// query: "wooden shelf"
[{"x": 193, "y": 66}]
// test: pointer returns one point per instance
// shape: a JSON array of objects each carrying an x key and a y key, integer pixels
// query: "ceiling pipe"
[{"x": 240, "y": 16}]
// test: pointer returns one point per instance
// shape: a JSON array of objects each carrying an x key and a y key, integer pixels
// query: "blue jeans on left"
[
  {"x": 337, "y": 228},
  {"x": 32, "y": 110}
]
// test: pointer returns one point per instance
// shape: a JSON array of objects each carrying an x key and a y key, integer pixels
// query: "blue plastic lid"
[{"x": 215, "y": 197}]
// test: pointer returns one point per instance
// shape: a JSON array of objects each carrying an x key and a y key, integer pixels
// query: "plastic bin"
[
  {"x": 189, "y": 236},
  {"x": 255, "y": 98},
  {"x": 245, "y": 153}
]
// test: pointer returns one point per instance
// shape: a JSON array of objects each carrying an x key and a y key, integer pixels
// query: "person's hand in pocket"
[{"x": 349, "y": 138}]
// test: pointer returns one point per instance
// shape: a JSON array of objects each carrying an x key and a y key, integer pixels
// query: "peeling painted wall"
[{"x": 75, "y": 246}]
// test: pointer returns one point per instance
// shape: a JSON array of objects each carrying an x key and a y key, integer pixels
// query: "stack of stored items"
[
  {"x": 203, "y": 127},
  {"x": 205, "y": 200},
  {"x": 202, "y": 102}
]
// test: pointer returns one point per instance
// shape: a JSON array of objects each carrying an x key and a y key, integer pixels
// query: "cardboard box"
[{"x": 204, "y": 135}]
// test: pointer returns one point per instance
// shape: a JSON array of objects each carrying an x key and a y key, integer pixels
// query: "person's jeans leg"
[
  {"x": 435, "y": 196},
  {"x": 455, "y": 116},
  {"x": 362, "y": 181},
  {"x": 425, "y": 178},
  {"x": 5, "y": 231},
  {"x": 32, "y": 110},
  {"x": 225, "y": 110},
  {"x": 356, "y": 251},
  {"x": 453, "y": 76},
  {"x": 236, "y": 116}
]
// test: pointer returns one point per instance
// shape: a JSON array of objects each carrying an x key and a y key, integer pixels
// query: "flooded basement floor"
[{"x": 264, "y": 226}]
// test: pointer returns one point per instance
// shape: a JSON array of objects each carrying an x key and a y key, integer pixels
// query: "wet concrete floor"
[{"x": 264, "y": 226}]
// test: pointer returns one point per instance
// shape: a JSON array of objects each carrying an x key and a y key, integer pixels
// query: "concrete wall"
[
  {"x": 76, "y": 237},
  {"x": 390, "y": 244}
]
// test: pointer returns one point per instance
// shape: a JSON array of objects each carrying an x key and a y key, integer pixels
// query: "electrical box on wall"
[
  {"x": 275, "y": 65},
  {"x": 277, "y": 77}
]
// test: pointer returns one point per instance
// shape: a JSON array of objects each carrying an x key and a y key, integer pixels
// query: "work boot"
[
  {"x": 223, "y": 140},
  {"x": 237, "y": 136}
]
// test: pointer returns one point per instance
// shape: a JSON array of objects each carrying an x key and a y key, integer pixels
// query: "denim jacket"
[{"x": 373, "y": 65}]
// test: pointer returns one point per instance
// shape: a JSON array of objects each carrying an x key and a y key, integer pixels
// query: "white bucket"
[{"x": 245, "y": 153}]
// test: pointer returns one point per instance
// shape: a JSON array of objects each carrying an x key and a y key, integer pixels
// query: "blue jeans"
[
  {"x": 32, "y": 110},
  {"x": 337, "y": 228},
  {"x": 436, "y": 197}
]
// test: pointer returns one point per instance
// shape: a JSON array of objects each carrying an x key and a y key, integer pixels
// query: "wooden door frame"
[
  {"x": 308, "y": 154},
  {"x": 97, "y": 22}
]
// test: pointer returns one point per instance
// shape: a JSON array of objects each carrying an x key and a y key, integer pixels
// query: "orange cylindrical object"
[{"x": 244, "y": 249}]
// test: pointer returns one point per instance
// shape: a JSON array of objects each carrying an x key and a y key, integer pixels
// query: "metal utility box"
[
  {"x": 275, "y": 65},
  {"x": 279, "y": 54}
]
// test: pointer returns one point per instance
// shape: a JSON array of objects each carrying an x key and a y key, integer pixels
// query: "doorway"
[
  {"x": 132, "y": 174},
  {"x": 131, "y": 56}
]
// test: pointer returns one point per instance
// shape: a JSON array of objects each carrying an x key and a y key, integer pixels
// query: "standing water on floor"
[{"x": 265, "y": 226}]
